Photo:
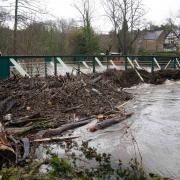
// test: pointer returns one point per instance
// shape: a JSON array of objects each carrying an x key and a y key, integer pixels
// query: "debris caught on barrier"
[{"x": 38, "y": 110}]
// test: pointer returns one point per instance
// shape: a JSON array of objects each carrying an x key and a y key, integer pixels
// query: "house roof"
[
  {"x": 152, "y": 35},
  {"x": 177, "y": 33}
]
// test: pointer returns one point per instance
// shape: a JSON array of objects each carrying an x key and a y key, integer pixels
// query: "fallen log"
[
  {"x": 60, "y": 130},
  {"x": 99, "y": 78},
  {"x": 109, "y": 122},
  {"x": 4, "y": 103},
  {"x": 20, "y": 123},
  {"x": 73, "y": 108},
  {"x": 26, "y": 145},
  {"x": 7, "y": 154},
  {"x": 18, "y": 131},
  {"x": 55, "y": 139}
]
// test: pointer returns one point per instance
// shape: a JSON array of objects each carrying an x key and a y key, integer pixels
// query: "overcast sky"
[{"x": 157, "y": 11}]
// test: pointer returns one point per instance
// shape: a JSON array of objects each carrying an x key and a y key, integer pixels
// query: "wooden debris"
[
  {"x": 18, "y": 131},
  {"x": 24, "y": 122},
  {"x": 96, "y": 79},
  {"x": 73, "y": 108},
  {"x": 108, "y": 122},
  {"x": 54, "y": 97},
  {"x": 100, "y": 117},
  {"x": 55, "y": 139},
  {"x": 26, "y": 145},
  {"x": 7, "y": 153},
  {"x": 60, "y": 130},
  {"x": 121, "y": 106}
]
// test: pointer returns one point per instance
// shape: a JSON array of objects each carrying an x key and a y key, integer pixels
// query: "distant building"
[
  {"x": 172, "y": 41},
  {"x": 153, "y": 41},
  {"x": 159, "y": 41}
]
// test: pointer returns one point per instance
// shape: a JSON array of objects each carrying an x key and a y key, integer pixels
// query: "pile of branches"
[
  {"x": 66, "y": 98},
  {"x": 41, "y": 109},
  {"x": 60, "y": 97}
]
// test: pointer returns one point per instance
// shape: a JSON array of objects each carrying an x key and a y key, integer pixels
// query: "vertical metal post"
[
  {"x": 94, "y": 65},
  {"x": 45, "y": 67},
  {"x": 126, "y": 63},
  {"x": 78, "y": 59},
  {"x": 152, "y": 65},
  {"x": 174, "y": 63},
  {"x": 107, "y": 62},
  {"x": 4, "y": 68},
  {"x": 55, "y": 66}
]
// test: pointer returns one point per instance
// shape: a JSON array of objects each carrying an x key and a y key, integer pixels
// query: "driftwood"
[
  {"x": 55, "y": 139},
  {"x": 60, "y": 130},
  {"x": 73, "y": 108},
  {"x": 26, "y": 145},
  {"x": 122, "y": 105},
  {"x": 109, "y": 122},
  {"x": 21, "y": 123},
  {"x": 18, "y": 131},
  {"x": 7, "y": 104},
  {"x": 7, "y": 153},
  {"x": 96, "y": 80},
  {"x": 24, "y": 120}
]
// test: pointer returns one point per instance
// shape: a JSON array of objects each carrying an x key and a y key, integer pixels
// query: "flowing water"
[{"x": 153, "y": 132}]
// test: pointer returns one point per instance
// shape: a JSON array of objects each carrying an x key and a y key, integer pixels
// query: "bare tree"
[
  {"x": 25, "y": 11},
  {"x": 4, "y": 15},
  {"x": 126, "y": 17},
  {"x": 85, "y": 10},
  {"x": 23, "y": 14}
]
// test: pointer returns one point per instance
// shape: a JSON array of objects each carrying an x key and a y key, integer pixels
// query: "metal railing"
[{"x": 59, "y": 65}]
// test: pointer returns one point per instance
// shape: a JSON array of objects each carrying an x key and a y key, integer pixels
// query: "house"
[
  {"x": 172, "y": 41},
  {"x": 153, "y": 41},
  {"x": 159, "y": 41}
]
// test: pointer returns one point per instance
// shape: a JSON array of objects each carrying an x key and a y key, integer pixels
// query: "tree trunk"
[
  {"x": 15, "y": 28},
  {"x": 60, "y": 130},
  {"x": 109, "y": 122}
]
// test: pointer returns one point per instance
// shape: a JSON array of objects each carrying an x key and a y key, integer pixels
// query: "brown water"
[{"x": 155, "y": 126}]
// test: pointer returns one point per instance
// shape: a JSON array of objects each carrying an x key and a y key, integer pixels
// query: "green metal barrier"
[
  {"x": 147, "y": 61},
  {"x": 4, "y": 68}
]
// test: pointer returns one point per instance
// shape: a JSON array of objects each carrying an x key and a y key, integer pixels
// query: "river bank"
[{"x": 35, "y": 105}]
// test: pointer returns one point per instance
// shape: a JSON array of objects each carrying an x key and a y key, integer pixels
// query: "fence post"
[
  {"x": 78, "y": 59},
  {"x": 107, "y": 62},
  {"x": 126, "y": 63},
  {"x": 94, "y": 65},
  {"x": 174, "y": 63},
  {"x": 55, "y": 66},
  {"x": 45, "y": 65},
  {"x": 152, "y": 65},
  {"x": 4, "y": 68}
]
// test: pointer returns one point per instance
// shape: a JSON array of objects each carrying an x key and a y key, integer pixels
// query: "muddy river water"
[{"x": 153, "y": 132}]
